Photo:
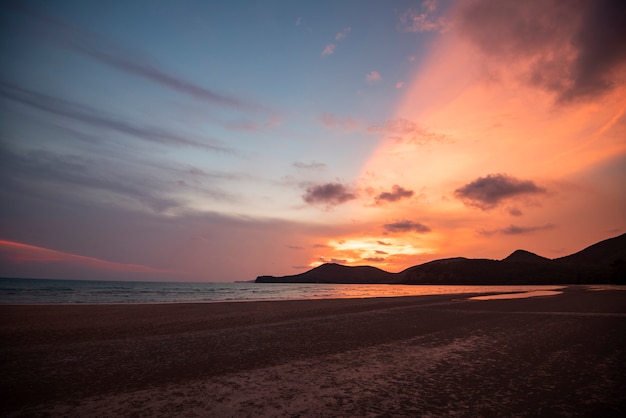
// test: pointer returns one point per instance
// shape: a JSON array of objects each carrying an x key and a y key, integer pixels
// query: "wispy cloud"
[
  {"x": 406, "y": 226},
  {"x": 488, "y": 192},
  {"x": 330, "y": 194},
  {"x": 299, "y": 21},
  {"x": 328, "y": 50},
  {"x": 330, "y": 120},
  {"x": 18, "y": 253},
  {"x": 407, "y": 131},
  {"x": 91, "y": 116},
  {"x": 422, "y": 19},
  {"x": 342, "y": 35},
  {"x": 313, "y": 165},
  {"x": 518, "y": 230},
  {"x": 373, "y": 77},
  {"x": 122, "y": 58},
  {"x": 95, "y": 179}
]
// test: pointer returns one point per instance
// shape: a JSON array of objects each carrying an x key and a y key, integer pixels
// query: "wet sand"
[{"x": 560, "y": 355}]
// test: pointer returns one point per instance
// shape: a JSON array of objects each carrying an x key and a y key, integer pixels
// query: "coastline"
[{"x": 437, "y": 354}]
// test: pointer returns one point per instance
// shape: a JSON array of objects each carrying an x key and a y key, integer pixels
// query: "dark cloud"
[
  {"x": 313, "y": 165},
  {"x": 329, "y": 194},
  {"x": 572, "y": 48},
  {"x": 295, "y": 247},
  {"x": 374, "y": 259},
  {"x": 488, "y": 192},
  {"x": 383, "y": 243},
  {"x": 406, "y": 226},
  {"x": 91, "y": 116},
  {"x": 518, "y": 230},
  {"x": 396, "y": 193},
  {"x": 105, "y": 51}
]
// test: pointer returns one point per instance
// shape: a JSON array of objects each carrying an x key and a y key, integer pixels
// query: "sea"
[{"x": 47, "y": 291}]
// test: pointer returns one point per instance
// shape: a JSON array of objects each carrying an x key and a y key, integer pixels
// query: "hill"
[
  {"x": 603, "y": 262},
  {"x": 335, "y": 273}
]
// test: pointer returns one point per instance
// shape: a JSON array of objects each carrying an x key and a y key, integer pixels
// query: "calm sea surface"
[{"x": 39, "y": 291}]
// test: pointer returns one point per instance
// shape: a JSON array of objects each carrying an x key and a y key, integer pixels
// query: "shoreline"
[{"x": 432, "y": 354}]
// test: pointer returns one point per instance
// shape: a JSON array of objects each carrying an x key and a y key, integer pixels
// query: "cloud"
[
  {"x": 397, "y": 193},
  {"x": 88, "y": 115},
  {"x": 406, "y": 226},
  {"x": 122, "y": 58},
  {"x": 518, "y": 230},
  {"x": 19, "y": 253},
  {"x": 421, "y": 20},
  {"x": 399, "y": 84},
  {"x": 374, "y": 259},
  {"x": 328, "y": 50},
  {"x": 99, "y": 180},
  {"x": 331, "y": 194},
  {"x": 330, "y": 120},
  {"x": 575, "y": 50},
  {"x": 342, "y": 35},
  {"x": 407, "y": 131},
  {"x": 488, "y": 192},
  {"x": 373, "y": 77},
  {"x": 313, "y": 165},
  {"x": 295, "y": 247},
  {"x": 299, "y": 21}
]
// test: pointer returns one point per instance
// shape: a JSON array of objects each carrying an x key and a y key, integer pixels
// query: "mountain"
[
  {"x": 604, "y": 262},
  {"x": 335, "y": 273}
]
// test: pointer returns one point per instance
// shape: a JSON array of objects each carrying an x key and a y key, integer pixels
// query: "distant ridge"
[{"x": 603, "y": 262}]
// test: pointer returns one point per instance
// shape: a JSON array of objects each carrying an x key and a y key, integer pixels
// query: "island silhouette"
[{"x": 600, "y": 263}]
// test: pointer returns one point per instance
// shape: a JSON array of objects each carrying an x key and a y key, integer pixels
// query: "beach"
[{"x": 444, "y": 355}]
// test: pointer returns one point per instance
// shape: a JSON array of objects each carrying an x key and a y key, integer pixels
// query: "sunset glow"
[{"x": 218, "y": 143}]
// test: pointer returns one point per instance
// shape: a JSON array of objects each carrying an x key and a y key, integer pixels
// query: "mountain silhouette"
[
  {"x": 335, "y": 273},
  {"x": 603, "y": 262}
]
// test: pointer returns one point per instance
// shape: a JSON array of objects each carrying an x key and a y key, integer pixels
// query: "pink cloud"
[
  {"x": 18, "y": 253},
  {"x": 342, "y": 35},
  {"x": 329, "y": 50},
  {"x": 373, "y": 77},
  {"x": 330, "y": 120}
]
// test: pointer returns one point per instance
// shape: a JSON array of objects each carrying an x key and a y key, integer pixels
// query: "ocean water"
[{"x": 43, "y": 291}]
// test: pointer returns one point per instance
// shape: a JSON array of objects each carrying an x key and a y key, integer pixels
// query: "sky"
[{"x": 218, "y": 141}]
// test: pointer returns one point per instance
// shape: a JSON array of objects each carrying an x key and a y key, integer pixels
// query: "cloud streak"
[
  {"x": 109, "y": 53},
  {"x": 19, "y": 253},
  {"x": 518, "y": 230},
  {"x": 406, "y": 226},
  {"x": 488, "y": 192},
  {"x": 91, "y": 116},
  {"x": 407, "y": 131}
]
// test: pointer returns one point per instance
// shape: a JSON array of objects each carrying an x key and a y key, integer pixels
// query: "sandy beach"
[{"x": 559, "y": 355}]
